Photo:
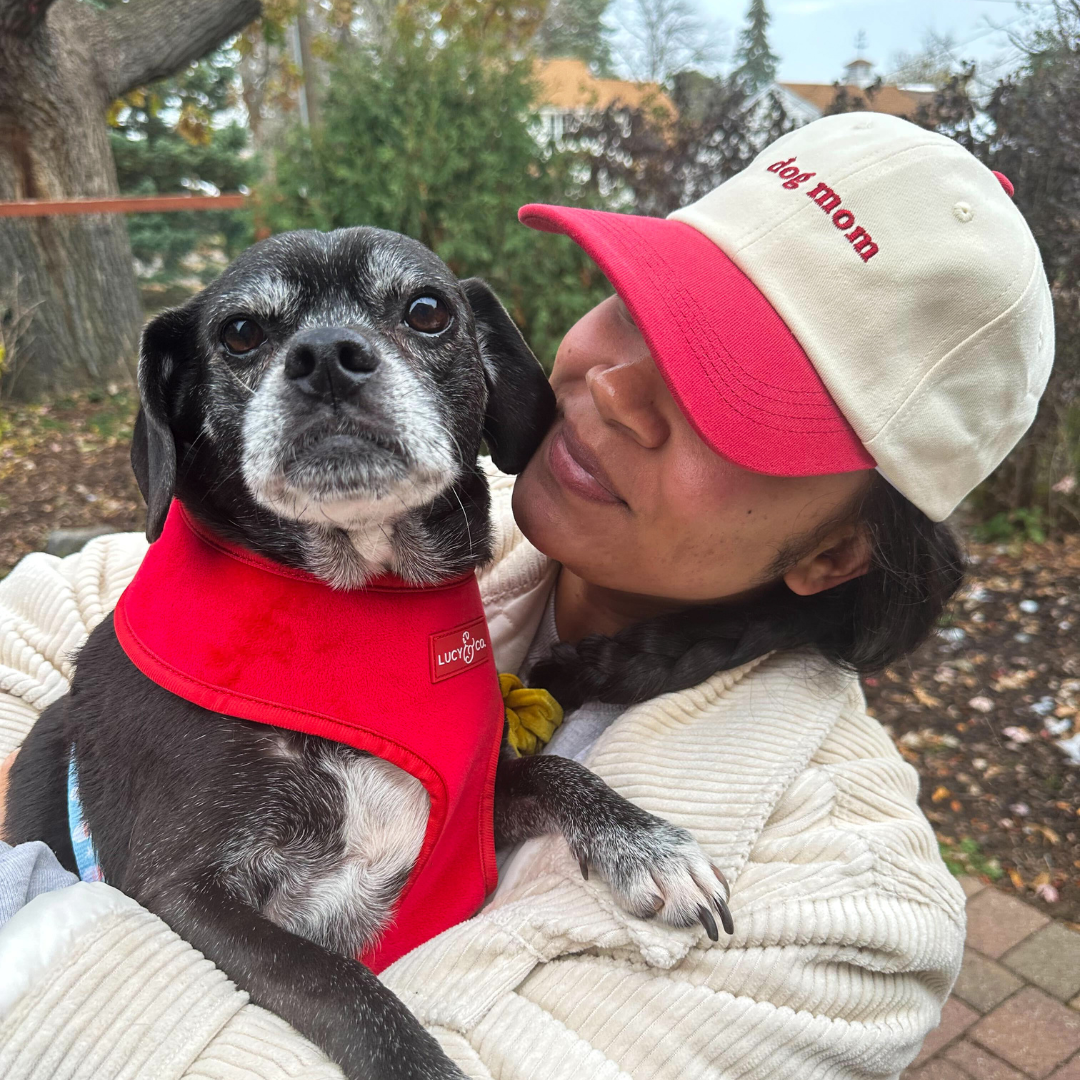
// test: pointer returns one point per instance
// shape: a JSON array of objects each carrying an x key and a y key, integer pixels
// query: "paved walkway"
[{"x": 1014, "y": 1013}]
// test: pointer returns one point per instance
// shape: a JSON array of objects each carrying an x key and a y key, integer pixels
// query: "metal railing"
[{"x": 122, "y": 204}]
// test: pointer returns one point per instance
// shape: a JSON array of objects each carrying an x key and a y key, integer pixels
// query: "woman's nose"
[{"x": 628, "y": 395}]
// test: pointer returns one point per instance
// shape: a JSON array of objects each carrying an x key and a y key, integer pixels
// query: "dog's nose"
[{"x": 330, "y": 362}]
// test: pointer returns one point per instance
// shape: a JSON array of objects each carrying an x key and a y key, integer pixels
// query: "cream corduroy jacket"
[{"x": 848, "y": 928}]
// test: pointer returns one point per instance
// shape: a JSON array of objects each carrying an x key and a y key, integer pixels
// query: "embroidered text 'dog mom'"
[
  {"x": 458, "y": 650},
  {"x": 830, "y": 202}
]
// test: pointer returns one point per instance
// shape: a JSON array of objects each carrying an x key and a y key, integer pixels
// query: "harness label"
[{"x": 458, "y": 650}]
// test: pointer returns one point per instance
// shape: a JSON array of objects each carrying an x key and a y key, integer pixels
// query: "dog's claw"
[
  {"x": 709, "y": 923},
  {"x": 725, "y": 915},
  {"x": 723, "y": 880},
  {"x": 584, "y": 864}
]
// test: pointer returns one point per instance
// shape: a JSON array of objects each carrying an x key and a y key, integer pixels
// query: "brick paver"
[
  {"x": 938, "y": 1069},
  {"x": 1068, "y": 1071},
  {"x": 956, "y": 1018},
  {"x": 1049, "y": 958},
  {"x": 997, "y": 922},
  {"x": 979, "y": 1062},
  {"x": 1071, "y": 1071},
  {"x": 1015, "y": 1010},
  {"x": 971, "y": 885},
  {"x": 1031, "y": 1031},
  {"x": 984, "y": 983}
]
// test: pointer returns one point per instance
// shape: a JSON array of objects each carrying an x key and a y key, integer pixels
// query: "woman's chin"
[
  {"x": 535, "y": 510},
  {"x": 545, "y": 513}
]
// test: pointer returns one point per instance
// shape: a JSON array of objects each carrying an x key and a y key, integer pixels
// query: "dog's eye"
[
  {"x": 428, "y": 314},
  {"x": 241, "y": 336}
]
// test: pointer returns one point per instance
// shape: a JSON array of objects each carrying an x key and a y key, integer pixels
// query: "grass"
[
  {"x": 967, "y": 857},
  {"x": 95, "y": 418}
]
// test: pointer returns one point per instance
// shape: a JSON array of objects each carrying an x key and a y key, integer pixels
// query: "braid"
[
  {"x": 863, "y": 625},
  {"x": 673, "y": 652}
]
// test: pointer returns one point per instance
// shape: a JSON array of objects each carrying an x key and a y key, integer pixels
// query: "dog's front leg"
[
  {"x": 652, "y": 866},
  {"x": 335, "y": 1001}
]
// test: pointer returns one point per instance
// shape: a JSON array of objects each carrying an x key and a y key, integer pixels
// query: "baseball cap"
[{"x": 864, "y": 294}]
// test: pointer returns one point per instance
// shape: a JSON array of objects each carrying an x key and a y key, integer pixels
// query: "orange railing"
[{"x": 122, "y": 204}]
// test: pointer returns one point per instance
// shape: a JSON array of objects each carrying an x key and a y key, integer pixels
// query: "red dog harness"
[{"x": 402, "y": 672}]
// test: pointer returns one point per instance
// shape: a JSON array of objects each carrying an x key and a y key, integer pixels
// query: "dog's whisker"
[{"x": 465, "y": 517}]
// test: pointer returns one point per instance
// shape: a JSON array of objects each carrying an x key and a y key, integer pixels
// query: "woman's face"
[{"x": 625, "y": 494}]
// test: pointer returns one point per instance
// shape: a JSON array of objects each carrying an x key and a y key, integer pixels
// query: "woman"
[{"x": 738, "y": 507}]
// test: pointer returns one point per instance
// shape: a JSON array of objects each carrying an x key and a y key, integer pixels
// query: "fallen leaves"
[
  {"x": 1015, "y": 680},
  {"x": 988, "y": 712},
  {"x": 925, "y": 699},
  {"x": 1049, "y": 834},
  {"x": 65, "y": 465}
]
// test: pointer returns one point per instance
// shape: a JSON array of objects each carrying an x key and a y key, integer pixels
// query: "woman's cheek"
[{"x": 721, "y": 551}]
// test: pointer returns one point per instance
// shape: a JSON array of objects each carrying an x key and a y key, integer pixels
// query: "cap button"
[{"x": 1006, "y": 183}]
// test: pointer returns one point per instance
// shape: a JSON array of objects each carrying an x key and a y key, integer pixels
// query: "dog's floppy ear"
[
  {"x": 153, "y": 447},
  {"x": 521, "y": 404}
]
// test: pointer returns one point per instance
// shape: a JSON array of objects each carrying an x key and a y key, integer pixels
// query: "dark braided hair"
[{"x": 863, "y": 625}]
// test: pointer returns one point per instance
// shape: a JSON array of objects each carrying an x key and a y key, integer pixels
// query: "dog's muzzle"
[{"x": 330, "y": 363}]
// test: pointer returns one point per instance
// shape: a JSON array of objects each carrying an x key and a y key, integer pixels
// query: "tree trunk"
[{"x": 69, "y": 307}]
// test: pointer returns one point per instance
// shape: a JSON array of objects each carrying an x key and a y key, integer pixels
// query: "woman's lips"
[{"x": 577, "y": 470}]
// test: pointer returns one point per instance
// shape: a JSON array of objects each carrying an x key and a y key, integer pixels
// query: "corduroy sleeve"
[{"x": 47, "y": 608}]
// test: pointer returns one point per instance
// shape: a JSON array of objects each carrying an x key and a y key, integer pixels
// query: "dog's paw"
[{"x": 656, "y": 870}]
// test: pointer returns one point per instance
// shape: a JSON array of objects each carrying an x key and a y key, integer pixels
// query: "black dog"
[{"x": 321, "y": 404}]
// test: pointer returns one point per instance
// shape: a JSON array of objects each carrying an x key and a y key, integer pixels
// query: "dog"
[{"x": 321, "y": 405}]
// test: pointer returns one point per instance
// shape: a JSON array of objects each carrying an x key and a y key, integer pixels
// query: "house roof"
[
  {"x": 890, "y": 99},
  {"x": 567, "y": 83}
]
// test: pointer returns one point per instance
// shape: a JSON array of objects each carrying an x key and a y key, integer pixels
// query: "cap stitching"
[
  {"x": 787, "y": 218},
  {"x": 679, "y": 318},
  {"x": 757, "y": 419},
  {"x": 913, "y": 380},
  {"x": 743, "y": 379},
  {"x": 735, "y": 385},
  {"x": 749, "y": 380}
]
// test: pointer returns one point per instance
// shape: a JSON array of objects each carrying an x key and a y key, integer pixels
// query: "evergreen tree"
[
  {"x": 170, "y": 137},
  {"x": 1035, "y": 141},
  {"x": 576, "y": 28},
  {"x": 756, "y": 62},
  {"x": 434, "y": 137},
  {"x": 653, "y": 161}
]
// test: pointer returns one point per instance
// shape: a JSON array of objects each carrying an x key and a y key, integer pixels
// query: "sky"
[{"x": 815, "y": 38}]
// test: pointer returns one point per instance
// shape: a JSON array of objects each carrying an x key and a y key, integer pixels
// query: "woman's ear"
[
  {"x": 841, "y": 556},
  {"x": 153, "y": 447},
  {"x": 521, "y": 403}
]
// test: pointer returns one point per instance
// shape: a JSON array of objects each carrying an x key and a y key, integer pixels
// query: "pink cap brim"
[{"x": 730, "y": 361}]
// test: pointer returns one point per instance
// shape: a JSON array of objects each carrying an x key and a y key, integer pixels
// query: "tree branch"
[
  {"x": 146, "y": 40},
  {"x": 18, "y": 18}
]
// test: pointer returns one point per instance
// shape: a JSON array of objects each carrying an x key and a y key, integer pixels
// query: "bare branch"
[
  {"x": 146, "y": 40},
  {"x": 18, "y": 18}
]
